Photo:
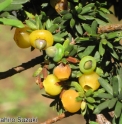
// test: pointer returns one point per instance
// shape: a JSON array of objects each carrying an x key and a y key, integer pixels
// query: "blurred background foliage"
[{"x": 19, "y": 94}]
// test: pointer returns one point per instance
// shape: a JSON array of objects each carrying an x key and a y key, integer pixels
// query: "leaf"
[
  {"x": 104, "y": 41},
  {"x": 47, "y": 96},
  {"x": 4, "y": 4},
  {"x": 101, "y": 107},
  {"x": 104, "y": 83},
  {"x": 119, "y": 76},
  {"x": 37, "y": 72},
  {"x": 67, "y": 16},
  {"x": 63, "y": 34},
  {"x": 79, "y": 28},
  {"x": 109, "y": 45},
  {"x": 51, "y": 66},
  {"x": 90, "y": 99},
  {"x": 90, "y": 5},
  {"x": 81, "y": 49},
  {"x": 29, "y": 15},
  {"x": 72, "y": 66},
  {"x": 85, "y": 10},
  {"x": 118, "y": 109},
  {"x": 99, "y": 71},
  {"x": 87, "y": 51},
  {"x": 20, "y": 1},
  {"x": 48, "y": 23},
  {"x": 120, "y": 119},
  {"x": 101, "y": 4},
  {"x": 81, "y": 17},
  {"x": 82, "y": 39},
  {"x": 62, "y": 25},
  {"x": 84, "y": 111},
  {"x": 112, "y": 103},
  {"x": 93, "y": 122},
  {"x": 72, "y": 23},
  {"x": 87, "y": 17},
  {"x": 53, "y": 28},
  {"x": 38, "y": 22},
  {"x": 97, "y": 56},
  {"x": 57, "y": 20},
  {"x": 43, "y": 16},
  {"x": 87, "y": 28},
  {"x": 11, "y": 17},
  {"x": 64, "y": 12},
  {"x": 115, "y": 85},
  {"x": 103, "y": 15},
  {"x": 32, "y": 24},
  {"x": 100, "y": 22},
  {"x": 105, "y": 95},
  {"x": 12, "y": 22},
  {"x": 114, "y": 54},
  {"x": 117, "y": 39},
  {"x": 114, "y": 120},
  {"x": 105, "y": 10},
  {"x": 13, "y": 7},
  {"x": 4, "y": 14},
  {"x": 92, "y": 13},
  {"x": 120, "y": 95},
  {"x": 77, "y": 86},
  {"x": 78, "y": 8},
  {"x": 76, "y": 1},
  {"x": 119, "y": 47},
  {"x": 101, "y": 49},
  {"x": 61, "y": 111},
  {"x": 94, "y": 27},
  {"x": 90, "y": 106},
  {"x": 43, "y": 5}
]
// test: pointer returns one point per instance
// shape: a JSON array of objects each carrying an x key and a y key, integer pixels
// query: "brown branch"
[
  {"x": 109, "y": 28},
  {"x": 57, "y": 118},
  {"x": 101, "y": 119},
  {"x": 21, "y": 67}
]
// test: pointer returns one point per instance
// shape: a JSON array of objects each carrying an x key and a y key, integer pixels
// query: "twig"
[
  {"x": 57, "y": 118},
  {"x": 109, "y": 28},
  {"x": 21, "y": 67},
  {"x": 38, "y": 78},
  {"x": 111, "y": 114},
  {"x": 44, "y": 71},
  {"x": 101, "y": 119},
  {"x": 39, "y": 82}
]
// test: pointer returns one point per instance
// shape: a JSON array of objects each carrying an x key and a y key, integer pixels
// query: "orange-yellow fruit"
[
  {"x": 21, "y": 37},
  {"x": 89, "y": 81},
  {"x": 51, "y": 85},
  {"x": 41, "y": 39},
  {"x": 69, "y": 102},
  {"x": 62, "y": 72}
]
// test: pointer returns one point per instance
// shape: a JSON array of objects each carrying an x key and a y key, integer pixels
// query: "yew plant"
[{"x": 80, "y": 55}]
